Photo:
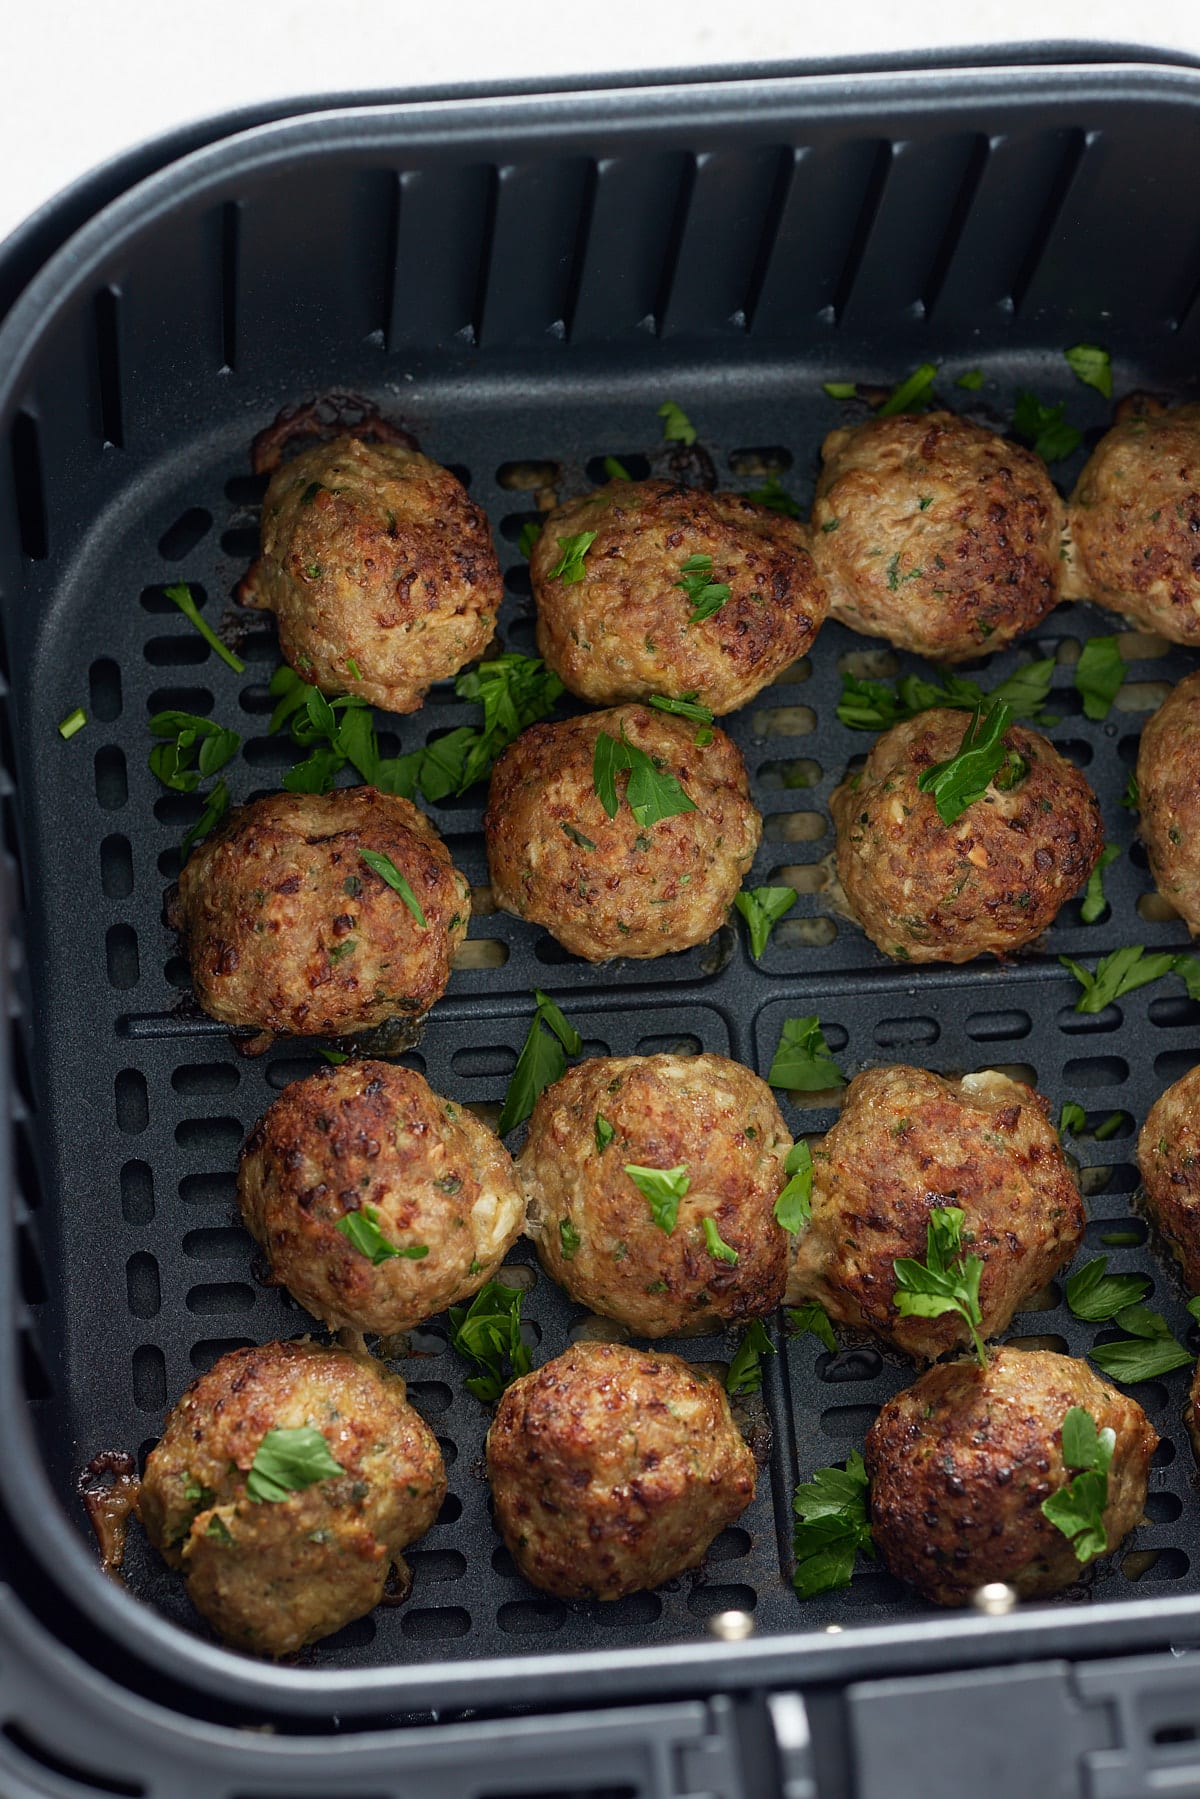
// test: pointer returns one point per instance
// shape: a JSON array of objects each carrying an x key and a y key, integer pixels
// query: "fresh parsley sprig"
[
  {"x": 664, "y": 1188},
  {"x": 652, "y": 794},
  {"x": 387, "y": 871},
  {"x": 193, "y": 749},
  {"x": 542, "y": 1061},
  {"x": 362, "y": 1230},
  {"x": 1095, "y": 1295},
  {"x": 1078, "y": 1508},
  {"x": 487, "y": 1335},
  {"x": 874, "y": 705},
  {"x": 1094, "y": 902},
  {"x": 745, "y": 1370},
  {"x": 1150, "y": 1349},
  {"x": 1099, "y": 673},
  {"x": 811, "y": 1320},
  {"x": 181, "y": 595},
  {"x": 569, "y": 567},
  {"x": 287, "y": 1461},
  {"x": 966, "y": 776},
  {"x": 762, "y": 908},
  {"x": 803, "y": 1061},
  {"x": 1045, "y": 428},
  {"x": 946, "y": 1281},
  {"x": 1122, "y": 971},
  {"x": 831, "y": 1527},
  {"x": 793, "y": 1208},
  {"x": 706, "y": 596}
]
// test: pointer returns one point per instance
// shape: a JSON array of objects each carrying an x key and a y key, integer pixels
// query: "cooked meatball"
[
  {"x": 1168, "y": 779},
  {"x": 1169, "y": 1162},
  {"x": 961, "y": 1461},
  {"x": 379, "y": 570},
  {"x": 906, "y": 1142},
  {"x": 274, "y": 1572},
  {"x": 430, "y": 1195},
  {"x": 625, "y": 630},
  {"x": 1134, "y": 518},
  {"x": 616, "y": 886},
  {"x": 936, "y": 534},
  {"x": 593, "y": 1226},
  {"x": 288, "y": 928},
  {"x": 1191, "y": 1413},
  {"x": 925, "y": 891},
  {"x": 613, "y": 1469}
]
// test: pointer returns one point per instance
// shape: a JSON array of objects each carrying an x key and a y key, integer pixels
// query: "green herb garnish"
[
  {"x": 840, "y": 390},
  {"x": 774, "y": 495},
  {"x": 1094, "y": 901},
  {"x": 361, "y": 1229},
  {"x": 74, "y": 721},
  {"x": 531, "y": 530},
  {"x": 1098, "y": 675},
  {"x": 664, "y": 1188},
  {"x": 762, "y": 908},
  {"x": 811, "y": 1320},
  {"x": 1121, "y": 972},
  {"x": 541, "y": 1062},
  {"x": 569, "y": 1238},
  {"x": 715, "y": 1243},
  {"x": 972, "y": 380},
  {"x": 966, "y": 776},
  {"x": 652, "y": 794},
  {"x": 616, "y": 470},
  {"x": 181, "y": 594},
  {"x": 189, "y": 738},
  {"x": 387, "y": 871},
  {"x": 288, "y": 1461},
  {"x": 793, "y": 1208},
  {"x": 1095, "y": 1295},
  {"x": 874, "y": 705},
  {"x": 1071, "y": 1119},
  {"x": 1148, "y": 1351},
  {"x": 803, "y": 1061},
  {"x": 569, "y": 567},
  {"x": 745, "y": 1370},
  {"x": 686, "y": 706},
  {"x": 1045, "y": 428},
  {"x": 912, "y": 394},
  {"x": 677, "y": 426},
  {"x": 832, "y": 1526},
  {"x": 216, "y": 805},
  {"x": 1078, "y": 1508},
  {"x": 1131, "y": 799},
  {"x": 487, "y": 1334},
  {"x": 706, "y": 596},
  {"x": 604, "y": 1133},
  {"x": 946, "y": 1281},
  {"x": 1093, "y": 366}
]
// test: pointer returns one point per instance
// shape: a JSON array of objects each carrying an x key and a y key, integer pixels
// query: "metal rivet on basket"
[
  {"x": 732, "y": 1627},
  {"x": 994, "y": 1599},
  {"x": 833, "y": 1630}
]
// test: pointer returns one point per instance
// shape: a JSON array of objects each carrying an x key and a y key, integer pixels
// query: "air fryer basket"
[{"x": 525, "y": 282}]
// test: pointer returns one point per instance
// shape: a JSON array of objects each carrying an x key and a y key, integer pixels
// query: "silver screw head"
[
  {"x": 731, "y": 1627},
  {"x": 995, "y": 1599}
]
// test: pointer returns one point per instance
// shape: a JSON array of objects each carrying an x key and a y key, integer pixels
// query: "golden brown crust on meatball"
[
  {"x": 936, "y": 534},
  {"x": 594, "y": 1228},
  {"x": 624, "y": 631},
  {"x": 961, "y": 1461},
  {"x": 1169, "y": 1162},
  {"x": 925, "y": 891},
  {"x": 908, "y": 1141},
  {"x": 271, "y": 1575},
  {"x": 613, "y": 1469},
  {"x": 373, "y": 555},
  {"x": 287, "y": 928},
  {"x": 374, "y": 1139},
  {"x": 1134, "y": 518},
  {"x": 1191, "y": 1413},
  {"x": 1168, "y": 778},
  {"x": 610, "y": 886}
]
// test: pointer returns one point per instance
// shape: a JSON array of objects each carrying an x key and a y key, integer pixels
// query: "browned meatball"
[
  {"x": 961, "y": 1461},
  {"x": 936, "y": 534},
  {"x": 613, "y": 1469},
  {"x": 1168, "y": 779},
  {"x": 427, "y": 1193},
  {"x": 288, "y": 928},
  {"x": 925, "y": 891},
  {"x": 1191, "y": 1413},
  {"x": 616, "y": 886},
  {"x": 1134, "y": 518},
  {"x": 1169, "y": 1161},
  {"x": 908, "y": 1141},
  {"x": 625, "y": 630},
  {"x": 274, "y": 1569},
  {"x": 379, "y": 570},
  {"x": 594, "y": 1227}
]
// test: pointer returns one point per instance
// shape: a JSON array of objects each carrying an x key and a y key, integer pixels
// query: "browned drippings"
[
  {"x": 332, "y": 415},
  {"x": 110, "y": 1489},
  {"x": 399, "y": 1583}
]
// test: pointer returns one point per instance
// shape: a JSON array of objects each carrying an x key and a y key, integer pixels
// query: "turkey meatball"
[
  {"x": 624, "y": 627},
  {"x": 377, "y": 1202},
  {"x": 714, "y": 1257},
  {"x": 1134, "y": 518},
  {"x": 936, "y": 534},
  {"x": 288, "y": 928},
  {"x": 1169, "y": 1162},
  {"x": 379, "y": 570},
  {"x": 960, "y": 1462},
  {"x": 287, "y": 1482},
  {"x": 925, "y": 891},
  {"x": 906, "y": 1142},
  {"x": 613, "y": 1469},
  {"x": 636, "y": 884},
  {"x": 1168, "y": 779}
]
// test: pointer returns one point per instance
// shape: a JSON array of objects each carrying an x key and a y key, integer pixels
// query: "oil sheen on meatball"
[
  {"x": 594, "y": 1228},
  {"x": 431, "y": 1190},
  {"x": 961, "y": 1461},
  {"x": 925, "y": 891},
  {"x": 1169, "y": 1161},
  {"x": 288, "y": 929},
  {"x": 613, "y": 1469},
  {"x": 936, "y": 534},
  {"x": 1168, "y": 778},
  {"x": 1134, "y": 518},
  {"x": 379, "y": 569},
  {"x": 615, "y": 886},
  {"x": 625, "y": 630},
  {"x": 271, "y": 1574},
  {"x": 906, "y": 1142}
]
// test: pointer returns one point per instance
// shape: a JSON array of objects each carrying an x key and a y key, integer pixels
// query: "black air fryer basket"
[{"x": 522, "y": 281}]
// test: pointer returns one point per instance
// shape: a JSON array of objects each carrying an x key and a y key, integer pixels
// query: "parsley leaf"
[
  {"x": 1093, "y": 366},
  {"x": 487, "y": 1334},
  {"x": 287, "y": 1461},
  {"x": 966, "y": 776},
  {"x": 74, "y": 721},
  {"x": 215, "y": 807},
  {"x": 762, "y": 908},
  {"x": 569, "y": 567},
  {"x": 540, "y": 1063},
  {"x": 531, "y": 530},
  {"x": 604, "y": 1133},
  {"x": 189, "y": 736},
  {"x": 972, "y": 380},
  {"x": 1071, "y": 1118},
  {"x": 803, "y": 1061},
  {"x": 677, "y": 426},
  {"x": 1121, "y": 972},
  {"x": 774, "y": 495},
  {"x": 1188, "y": 970},
  {"x": 832, "y": 1526},
  {"x": 706, "y": 596},
  {"x": 840, "y": 390},
  {"x": 874, "y": 705},
  {"x": 387, "y": 871},
  {"x": 181, "y": 594},
  {"x": 1131, "y": 799},
  {"x": 615, "y": 469},
  {"x": 652, "y": 795},
  {"x": 361, "y": 1228},
  {"x": 715, "y": 1243},
  {"x": 686, "y": 706},
  {"x": 1148, "y": 1351},
  {"x": 793, "y": 1208},
  {"x": 569, "y": 1238},
  {"x": 664, "y": 1188},
  {"x": 1095, "y": 1295},
  {"x": 745, "y": 1370},
  {"x": 1098, "y": 675},
  {"x": 946, "y": 1281},
  {"x": 1045, "y": 428},
  {"x": 811, "y": 1320},
  {"x": 1094, "y": 901},
  {"x": 1078, "y": 1508},
  {"x": 911, "y": 395}
]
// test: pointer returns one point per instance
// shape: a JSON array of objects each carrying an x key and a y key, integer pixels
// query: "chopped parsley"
[
  {"x": 361, "y": 1229},
  {"x": 913, "y": 394},
  {"x": 387, "y": 871},
  {"x": 487, "y": 1335},
  {"x": 707, "y": 597},
  {"x": 677, "y": 426},
  {"x": 1078, "y": 1508},
  {"x": 652, "y": 794},
  {"x": 966, "y": 776},
  {"x": 604, "y": 1133},
  {"x": 1095, "y": 1295},
  {"x": 762, "y": 908},
  {"x": 568, "y": 1238},
  {"x": 946, "y": 1281},
  {"x": 181, "y": 595},
  {"x": 569, "y": 567},
  {"x": 1094, "y": 902},
  {"x": 1044, "y": 428},
  {"x": 1149, "y": 1350},
  {"x": 831, "y": 1527},
  {"x": 1121, "y": 972},
  {"x": 287, "y": 1461},
  {"x": 774, "y": 495},
  {"x": 715, "y": 1243},
  {"x": 1098, "y": 675},
  {"x": 664, "y": 1188},
  {"x": 74, "y": 721},
  {"x": 875, "y": 705},
  {"x": 745, "y": 1370},
  {"x": 972, "y": 380},
  {"x": 193, "y": 748},
  {"x": 1093, "y": 366},
  {"x": 803, "y": 1061},
  {"x": 811, "y": 1320},
  {"x": 542, "y": 1061},
  {"x": 793, "y": 1208},
  {"x": 531, "y": 530}
]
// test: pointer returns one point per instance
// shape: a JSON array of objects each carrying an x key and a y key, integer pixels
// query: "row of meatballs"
[
  {"x": 613, "y": 1468},
  {"x": 932, "y": 532}
]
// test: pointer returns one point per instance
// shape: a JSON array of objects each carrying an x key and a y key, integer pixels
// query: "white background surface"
[{"x": 85, "y": 79}]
